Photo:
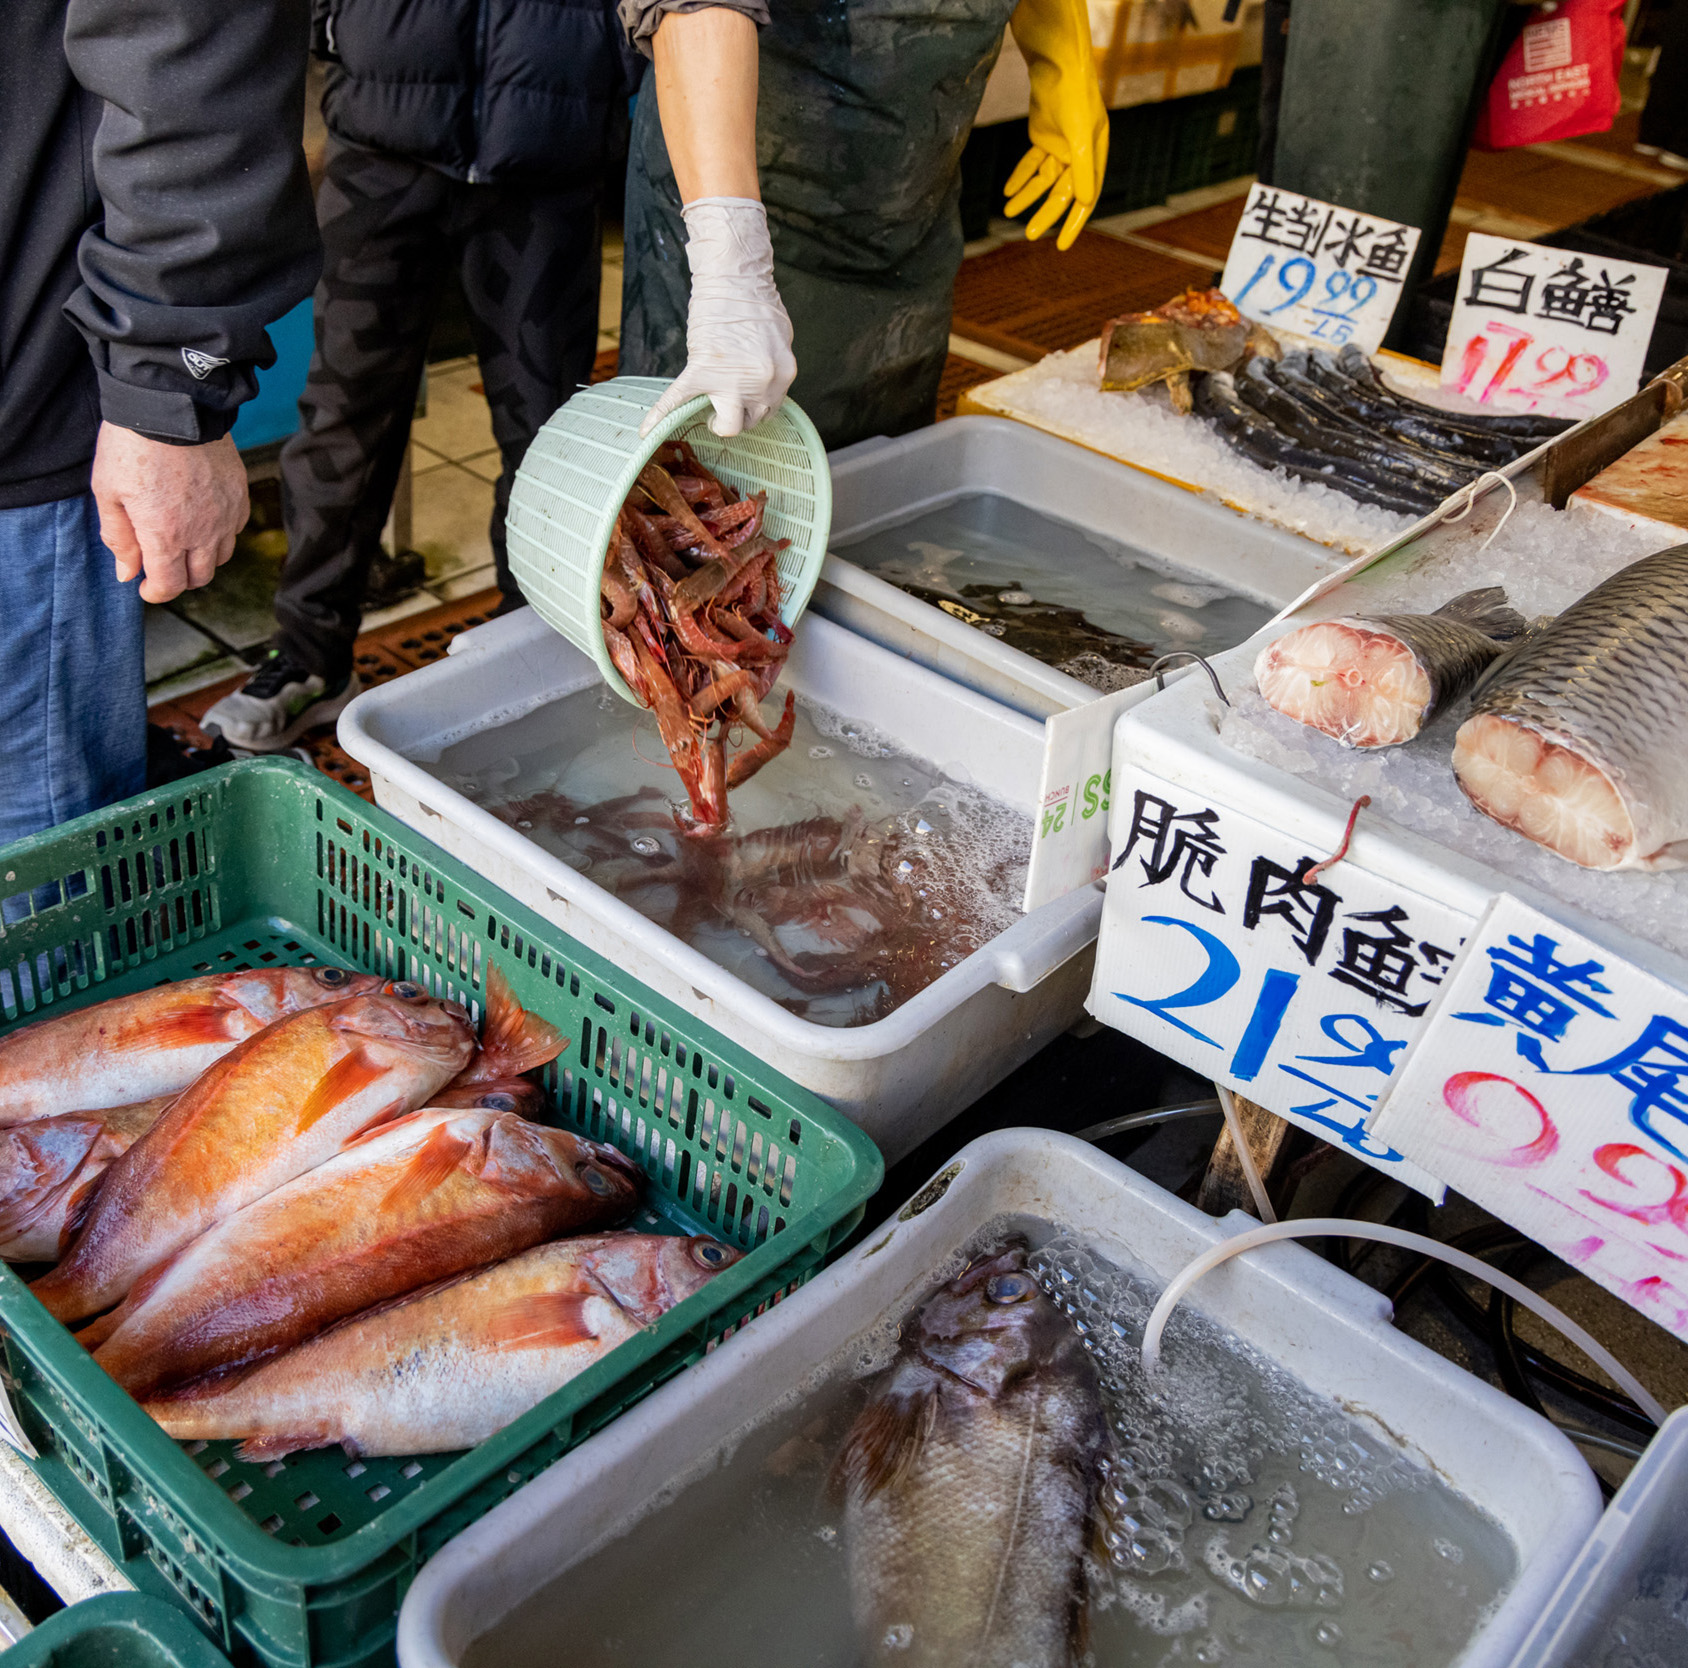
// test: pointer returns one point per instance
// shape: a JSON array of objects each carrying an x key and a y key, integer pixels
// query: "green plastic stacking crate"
[
  {"x": 302, "y": 1563},
  {"x": 116, "y": 1630}
]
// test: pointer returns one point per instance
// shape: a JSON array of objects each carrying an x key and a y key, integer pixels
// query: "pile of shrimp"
[{"x": 691, "y": 606}]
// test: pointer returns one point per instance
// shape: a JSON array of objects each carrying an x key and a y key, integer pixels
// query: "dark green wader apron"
[{"x": 864, "y": 108}]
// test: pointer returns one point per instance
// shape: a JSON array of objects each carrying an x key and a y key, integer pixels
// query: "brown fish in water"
[
  {"x": 449, "y": 1366},
  {"x": 969, "y": 1482},
  {"x": 50, "y": 1169},
  {"x": 415, "y": 1200},
  {"x": 278, "y": 1105},
  {"x": 154, "y": 1042}
]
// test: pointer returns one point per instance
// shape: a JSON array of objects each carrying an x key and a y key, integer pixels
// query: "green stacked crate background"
[
  {"x": 302, "y": 1563},
  {"x": 116, "y": 1630}
]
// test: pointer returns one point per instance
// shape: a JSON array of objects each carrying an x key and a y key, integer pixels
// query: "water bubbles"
[
  {"x": 523, "y": 823},
  {"x": 904, "y": 869},
  {"x": 826, "y": 1533},
  {"x": 1227, "y": 1508},
  {"x": 580, "y": 822},
  {"x": 820, "y": 751},
  {"x": 1014, "y": 599},
  {"x": 898, "y": 1637},
  {"x": 862, "y": 779},
  {"x": 1377, "y": 1570},
  {"x": 1327, "y": 1634},
  {"x": 645, "y": 845},
  {"x": 1451, "y": 1550},
  {"x": 1208, "y": 1651},
  {"x": 922, "y": 826}
]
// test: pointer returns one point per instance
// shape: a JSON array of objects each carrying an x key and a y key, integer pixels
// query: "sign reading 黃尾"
[
  {"x": 1316, "y": 270},
  {"x": 1550, "y": 1085},
  {"x": 1217, "y": 951},
  {"x": 1548, "y": 330}
]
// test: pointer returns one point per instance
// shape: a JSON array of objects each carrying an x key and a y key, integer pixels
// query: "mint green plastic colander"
[{"x": 582, "y": 465}]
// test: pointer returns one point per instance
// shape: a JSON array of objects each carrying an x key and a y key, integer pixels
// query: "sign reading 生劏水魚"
[
  {"x": 1549, "y": 1084},
  {"x": 1218, "y": 951},
  {"x": 1548, "y": 330},
  {"x": 1317, "y": 270}
]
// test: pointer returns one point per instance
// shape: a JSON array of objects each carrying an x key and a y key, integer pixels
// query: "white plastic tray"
[
  {"x": 880, "y": 483},
  {"x": 1322, "y": 1326},
  {"x": 901, "y": 1077}
]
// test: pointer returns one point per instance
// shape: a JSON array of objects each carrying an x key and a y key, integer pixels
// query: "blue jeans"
[{"x": 73, "y": 686}]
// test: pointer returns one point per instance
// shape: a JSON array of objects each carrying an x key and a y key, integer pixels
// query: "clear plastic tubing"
[{"x": 1336, "y": 1227}]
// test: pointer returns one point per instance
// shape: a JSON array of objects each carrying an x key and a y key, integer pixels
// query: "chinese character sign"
[
  {"x": 1550, "y": 1085},
  {"x": 1217, "y": 950},
  {"x": 1313, "y": 269},
  {"x": 1548, "y": 330}
]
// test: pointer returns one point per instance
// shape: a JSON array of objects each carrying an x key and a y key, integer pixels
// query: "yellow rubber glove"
[{"x": 1069, "y": 123}]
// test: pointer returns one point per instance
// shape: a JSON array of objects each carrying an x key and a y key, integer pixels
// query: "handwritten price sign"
[
  {"x": 1548, "y": 330},
  {"x": 1312, "y": 269}
]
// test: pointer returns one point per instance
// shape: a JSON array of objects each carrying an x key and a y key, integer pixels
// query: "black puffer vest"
[{"x": 483, "y": 90}]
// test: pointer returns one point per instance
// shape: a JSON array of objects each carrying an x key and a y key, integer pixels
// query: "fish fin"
[
  {"x": 76, "y": 1211},
  {"x": 389, "y": 1117},
  {"x": 217, "y": 1020},
  {"x": 541, "y": 1320},
  {"x": 512, "y": 1039},
  {"x": 350, "y": 1075},
  {"x": 884, "y": 1443},
  {"x": 429, "y": 1165},
  {"x": 1486, "y": 610},
  {"x": 256, "y": 1449}
]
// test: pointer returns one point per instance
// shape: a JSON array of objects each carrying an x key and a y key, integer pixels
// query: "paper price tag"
[
  {"x": 1550, "y": 1085},
  {"x": 1548, "y": 330},
  {"x": 1317, "y": 270},
  {"x": 1070, "y": 845}
]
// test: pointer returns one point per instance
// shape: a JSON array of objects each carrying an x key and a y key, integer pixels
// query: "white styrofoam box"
[
  {"x": 1322, "y": 1326},
  {"x": 1639, "y": 1549},
  {"x": 880, "y": 483},
  {"x": 900, "y": 1077},
  {"x": 1170, "y": 749}
]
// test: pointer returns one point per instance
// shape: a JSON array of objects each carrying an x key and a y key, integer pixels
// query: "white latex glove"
[{"x": 738, "y": 338}]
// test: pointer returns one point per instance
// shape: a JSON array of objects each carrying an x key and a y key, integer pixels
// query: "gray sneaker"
[{"x": 276, "y": 705}]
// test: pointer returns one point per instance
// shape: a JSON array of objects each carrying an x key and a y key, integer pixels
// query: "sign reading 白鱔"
[
  {"x": 1316, "y": 270},
  {"x": 1216, "y": 951},
  {"x": 1548, "y": 330},
  {"x": 1550, "y": 1085}
]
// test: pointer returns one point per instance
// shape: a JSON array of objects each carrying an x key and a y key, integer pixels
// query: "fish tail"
[
  {"x": 512, "y": 1040},
  {"x": 1486, "y": 610}
]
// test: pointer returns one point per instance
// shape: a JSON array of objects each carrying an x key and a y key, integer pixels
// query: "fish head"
[
  {"x": 532, "y": 1159},
  {"x": 992, "y": 1325},
  {"x": 402, "y": 1015},
  {"x": 647, "y": 1274},
  {"x": 271, "y": 993}
]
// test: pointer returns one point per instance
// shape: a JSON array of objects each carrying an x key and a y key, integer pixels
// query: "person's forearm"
[{"x": 706, "y": 95}]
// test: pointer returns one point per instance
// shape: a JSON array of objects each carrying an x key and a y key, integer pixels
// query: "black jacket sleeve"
[{"x": 208, "y": 232}]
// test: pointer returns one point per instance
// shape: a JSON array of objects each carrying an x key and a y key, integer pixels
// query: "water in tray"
[
  {"x": 1245, "y": 1522},
  {"x": 1090, "y": 606},
  {"x": 853, "y": 876}
]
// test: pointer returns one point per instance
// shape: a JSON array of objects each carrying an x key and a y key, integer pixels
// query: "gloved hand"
[
  {"x": 738, "y": 338},
  {"x": 1069, "y": 123}
]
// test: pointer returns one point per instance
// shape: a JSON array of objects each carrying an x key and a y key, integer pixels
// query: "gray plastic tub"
[{"x": 881, "y": 483}]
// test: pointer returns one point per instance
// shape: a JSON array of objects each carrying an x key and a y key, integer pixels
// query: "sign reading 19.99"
[
  {"x": 1313, "y": 269},
  {"x": 1548, "y": 330}
]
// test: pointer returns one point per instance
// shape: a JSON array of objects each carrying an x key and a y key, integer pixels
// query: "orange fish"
[
  {"x": 274, "y": 1107},
  {"x": 448, "y": 1366},
  {"x": 415, "y": 1200},
  {"x": 50, "y": 1170},
  {"x": 156, "y": 1042}
]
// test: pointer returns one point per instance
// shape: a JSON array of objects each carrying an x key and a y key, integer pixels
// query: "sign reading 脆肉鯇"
[
  {"x": 1316, "y": 270},
  {"x": 1217, "y": 951},
  {"x": 1550, "y": 1085},
  {"x": 1548, "y": 330}
]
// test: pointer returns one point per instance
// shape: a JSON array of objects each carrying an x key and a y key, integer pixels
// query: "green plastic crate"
[
  {"x": 116, "y": 1630},
  {"x": 302, "y": 1563}
]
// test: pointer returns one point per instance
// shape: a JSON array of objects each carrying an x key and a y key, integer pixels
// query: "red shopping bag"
[{"x": 1559, "y": 79}]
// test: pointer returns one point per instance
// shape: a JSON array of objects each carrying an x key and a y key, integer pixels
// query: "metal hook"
[{"x": 1187, "y": 654}]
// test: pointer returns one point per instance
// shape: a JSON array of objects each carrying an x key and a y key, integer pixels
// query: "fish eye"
[
  {"x": 500, "y": 1100},
  {"x": 710, "y": 1254},
  {"x": 333, "y": 977},
  {"x": 597, "y": 1182},
  {"x": 1011, "y": 1288},
  {"x": 407, "y": 989}
]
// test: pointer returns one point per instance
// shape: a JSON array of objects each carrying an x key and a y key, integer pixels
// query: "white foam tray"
[
  {"x": 1322, "y": 1326},
  {"x": 901, "y": 1077},
  {"x": 880, "y": 483}
]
